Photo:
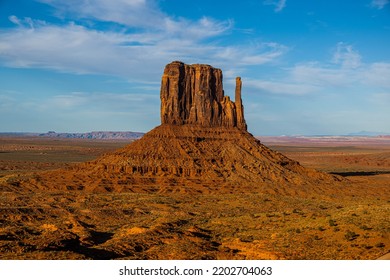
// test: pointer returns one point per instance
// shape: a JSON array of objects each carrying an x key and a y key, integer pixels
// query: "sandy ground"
[{"x": 351, "y": 223}]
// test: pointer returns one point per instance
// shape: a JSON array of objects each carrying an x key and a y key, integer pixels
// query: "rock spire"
[{"x": 193, "y": 94}]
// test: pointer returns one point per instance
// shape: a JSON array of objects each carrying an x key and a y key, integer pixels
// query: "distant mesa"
[
  {"x": 98, "y": 135},
  {"x": 101, "y": 135},
  {"x": 202, "y": 145}
]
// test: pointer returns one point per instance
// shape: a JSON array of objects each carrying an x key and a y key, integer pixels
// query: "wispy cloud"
[
  {"x": 278, "y": 4},
  {"x": 74, "y": 48},
  {"x": 282, "y": 87},
  {"x": 320, "y": 75},
  {"x": 345, "y": 70},
  {"x": 346, "y": 56},
  {"x": 143, "y": 15},
  {"x": 15, "y": 20},
  {"x": 109, "y": 101},
  {"x": 70, "y": 48},
  {"x": 137, "y": 54},
  {"x": 379, "y": 4},
  {"x": 25, "y": 22},
  {"x": 377, "y": 74},
  {"x": 130, "y": 13}
]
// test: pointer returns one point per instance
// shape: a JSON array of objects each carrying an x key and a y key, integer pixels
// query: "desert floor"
[{"x": 353, "y": 224}]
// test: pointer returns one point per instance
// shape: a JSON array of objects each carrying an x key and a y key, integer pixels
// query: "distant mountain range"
[
  {"x": 86, "y": 135},
  {"x": 367, "y": 133},
  {"x": 136, "y": 135}
]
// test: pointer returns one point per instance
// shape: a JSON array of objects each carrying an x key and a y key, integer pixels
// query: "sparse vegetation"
[
  {"x": 321, "y": 228},
  {"x": 316, "y": 237},
  {"x": 350, "y": 235},
  {"x": 380, "y": 245},
  {"x": 247, "y": 225},
  {"x": 364, "y": 227}
]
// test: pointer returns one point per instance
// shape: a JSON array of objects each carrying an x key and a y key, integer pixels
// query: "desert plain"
[{"x": 210, "y": 223}]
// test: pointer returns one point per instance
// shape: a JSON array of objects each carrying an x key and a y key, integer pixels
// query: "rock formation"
[
  {"x": 201, "y": 146},
  {"x": 193, "y": 94},
  {"x": 239, "y": 107}
]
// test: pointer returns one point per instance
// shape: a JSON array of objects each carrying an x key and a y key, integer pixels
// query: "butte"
[{"x": 201, "y": 146}]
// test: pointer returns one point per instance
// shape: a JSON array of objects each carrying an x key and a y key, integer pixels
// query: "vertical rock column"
[
  {"x": 241, "y": 124},
  {"x": 170, "y": 94}
]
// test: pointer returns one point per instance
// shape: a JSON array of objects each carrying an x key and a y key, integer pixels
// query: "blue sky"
[{"x": 308, "y": 67}]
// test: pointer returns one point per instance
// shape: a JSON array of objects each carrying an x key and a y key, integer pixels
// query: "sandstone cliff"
[{"x": 193, "y": 94}]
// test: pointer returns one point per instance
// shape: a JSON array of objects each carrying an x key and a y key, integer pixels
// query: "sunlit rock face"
[{"x": 193, "y": 94}]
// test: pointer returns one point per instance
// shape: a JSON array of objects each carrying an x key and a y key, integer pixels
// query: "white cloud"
[
  {"x": 15, "y": 20},
  {"x": 132, "y": 13},
  {"x": 377, "y": 74},
  {"x": 144, "y": 14},
  {"x": 70, "y": 48},
  {"x": 379, "y": 4},
  {"x": 256, "y": 54},
  {"x": 278, "y": 4},
  {"x": 109, "y": 101},
  {"x": 282, "y": 87},
  {"x": 346, "y": 73},
  {"x": 311, "y": 78},
  {"x": 77, "y": 49},
  {"x": 346, "y": 56},
  {"x": 321, "y": 75},
  {"x": 25, "y": 22}
]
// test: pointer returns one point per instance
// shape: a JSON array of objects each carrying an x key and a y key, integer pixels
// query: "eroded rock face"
[{"x": 193, "y": 94}]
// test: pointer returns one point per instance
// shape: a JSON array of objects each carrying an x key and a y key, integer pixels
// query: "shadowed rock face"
[{"x": 193, "y": 94}]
